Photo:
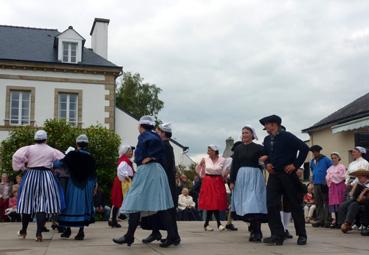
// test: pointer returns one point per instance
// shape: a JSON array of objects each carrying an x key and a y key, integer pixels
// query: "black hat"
[
  {"x": 271, "y": 119},
  {"x": 316, "y": 148}
]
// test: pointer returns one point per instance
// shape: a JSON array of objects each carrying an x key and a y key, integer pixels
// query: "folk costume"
[
  {"x": 249, "y": 194},
  {"x": 121, "y": 183},
  {"x": 213, "y": 196},
  {"x": 39, "y": 193},
  {"x": 79, "y": 211},
  {"x": 150, "y": 191},
  {"x": 282, "y": 149},
  {"x": 153, "y": 222}
]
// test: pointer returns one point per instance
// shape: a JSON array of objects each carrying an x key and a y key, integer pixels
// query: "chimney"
[{"x": 99, "y": 37}]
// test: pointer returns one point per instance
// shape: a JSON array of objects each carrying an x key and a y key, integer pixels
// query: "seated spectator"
[
  {"x": 100, "y": 204},
  {"x": 309, "y": 203},
  {"x": 18, "y": 180},
  {"x": 354, "y": 207},
  {"x": 11, "y": 211},
  {"x": 5, "y": 191},
  {"x": 363, "y": 199},
  {"x": 186, "y": 207}
]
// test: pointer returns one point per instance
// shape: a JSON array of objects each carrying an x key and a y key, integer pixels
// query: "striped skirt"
[{"x": 39, "y": 191}]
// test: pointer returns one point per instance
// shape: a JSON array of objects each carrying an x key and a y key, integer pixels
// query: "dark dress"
[
  {"x": 80, "y": 187},
  {"x": 249, "y": 194}
]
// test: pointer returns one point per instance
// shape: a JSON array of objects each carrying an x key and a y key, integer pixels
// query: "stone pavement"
[{"x": 194, "y": 241}]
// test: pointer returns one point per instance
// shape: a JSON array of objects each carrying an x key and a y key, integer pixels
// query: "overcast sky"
[{"x": 223, "y": 64}]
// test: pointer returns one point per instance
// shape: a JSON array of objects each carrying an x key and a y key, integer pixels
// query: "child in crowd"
[{"x": 309, "y": 203}]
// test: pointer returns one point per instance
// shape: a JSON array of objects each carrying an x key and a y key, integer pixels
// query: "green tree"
[
  {"x": 103, "y": 145},
  {"x": 138, "y": 98}
]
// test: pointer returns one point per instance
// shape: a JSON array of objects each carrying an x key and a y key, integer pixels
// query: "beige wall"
[{"x": 341, "y": 142}]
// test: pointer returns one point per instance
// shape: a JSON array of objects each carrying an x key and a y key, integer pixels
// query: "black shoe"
[
  {"x": 109, "y": 223},
  {"x": 169, "y": 242},
  {"x": 66, "y": 234},
  {"x": 287, "y": 235},
  {"x": 151, "y": 238},
  {"x": 116, "y": 225},
  {"x": 124, "y": 239},
  {"x": 302, "y": 240},
  {"x": 252, "y": 237},
  {"x": 316, "y": 225},
  {"x": 177, "y": 241},
  {"x": 231, "y": 227},
  {"x": 273, "y": 240},
  {"x": 80, "y": 236},
  {"x": 256, "y": 238},
  {"x": 122, "y": 216},
  {"x": 45, "y": 229}
]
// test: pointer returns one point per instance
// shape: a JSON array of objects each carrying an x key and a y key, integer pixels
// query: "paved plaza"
[{"x": 194, "y": 241}]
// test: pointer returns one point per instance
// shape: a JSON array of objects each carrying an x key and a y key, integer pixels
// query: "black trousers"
[
  {"x": 321, "y": 201},
  {"x": 167, "y": 218},
  {"x": 289, "y": 186},
  {"x": 352, "y": 212}
]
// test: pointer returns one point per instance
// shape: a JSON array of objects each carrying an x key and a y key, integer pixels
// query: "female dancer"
[
  {"x": 39, "y": 191},
  {"x": 150, "y": 192},
  {"x": 248, "y": 184},
  {"x": 213, "y": 196}
]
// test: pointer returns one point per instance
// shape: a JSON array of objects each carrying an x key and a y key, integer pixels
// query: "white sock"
[{"x": 286, "y": 216}]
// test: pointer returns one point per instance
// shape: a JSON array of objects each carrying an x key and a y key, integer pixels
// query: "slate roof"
[
  {"x": 37, "y": 45},
  {"x": 355, "y": 110}
]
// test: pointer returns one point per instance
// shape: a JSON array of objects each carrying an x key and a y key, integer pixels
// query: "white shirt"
[
  {"x": 124, "y": 170},
  {"x": 185, "y": 201},
  {"x": 359, "y": 163}
]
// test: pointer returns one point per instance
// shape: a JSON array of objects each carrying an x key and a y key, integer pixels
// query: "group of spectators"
[
  {"x": 8, "y": 198},
  {"x": 338, "y": 198}
]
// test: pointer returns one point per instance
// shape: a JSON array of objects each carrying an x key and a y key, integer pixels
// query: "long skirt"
[
  {"x": 116, "y": 193},
  {"x": 336, "y": 195},
  {"x": 79, "y": 209},
  {"x": 213, "y": 196},
  {"x": 149, "y": 192},
  {"x": 39, "y": 191},
  {"x": 249, "y": 195}
]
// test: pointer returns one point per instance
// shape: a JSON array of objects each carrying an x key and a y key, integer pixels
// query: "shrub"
[{"x": 103, "y": 145}]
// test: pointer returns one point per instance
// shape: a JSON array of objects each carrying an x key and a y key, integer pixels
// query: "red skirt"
[
  {"x": 213, "y": 194},
  {"x": 116, "y": 193}
]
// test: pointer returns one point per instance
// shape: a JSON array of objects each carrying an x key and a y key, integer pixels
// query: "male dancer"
[{"x": 286, "y": 153}]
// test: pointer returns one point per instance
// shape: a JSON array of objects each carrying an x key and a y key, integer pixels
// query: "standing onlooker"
[
  {"x": 309, "y": 203},
  {"x": 286, "y": 153},
  {"x": 5, "y": 191},
  {"x": 336, "y": 183},
  {"x": 213, "y": 196},
  {"x": 319, "y": 166}
]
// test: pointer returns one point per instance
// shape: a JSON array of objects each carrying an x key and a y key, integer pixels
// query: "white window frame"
[
  {"x": 20, "y": 108},
  {"x": 69, "y": 51},
  {"x": 68, "y": 110}
]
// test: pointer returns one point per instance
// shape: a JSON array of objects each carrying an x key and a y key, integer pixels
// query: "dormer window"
[
  {"x": 70, "y": 52},
  {"x": 70, "y": 46}
]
